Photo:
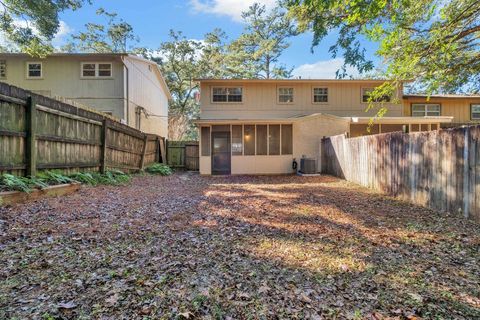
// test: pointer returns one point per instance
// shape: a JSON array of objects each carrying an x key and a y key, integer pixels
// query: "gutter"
[{"x": 127, "y": 84}]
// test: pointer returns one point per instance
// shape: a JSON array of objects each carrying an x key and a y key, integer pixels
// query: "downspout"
[{"x": 127, "y": 85}]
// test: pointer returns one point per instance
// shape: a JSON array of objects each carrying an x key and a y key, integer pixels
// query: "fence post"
[
  {"x": 144, "y": 151},
  {"x": 103, "y": 151},
  {"x": 30, "y": 141}
]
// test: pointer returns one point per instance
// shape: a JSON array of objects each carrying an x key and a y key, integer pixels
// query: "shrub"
[
  {"x": 85, "y": 178},
  {"x": 53, "y": 177},
  {"x": 9, "y": 182},
  {"x": 159, "y": 168}
]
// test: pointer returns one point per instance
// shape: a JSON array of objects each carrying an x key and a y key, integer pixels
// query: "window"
[
  {"x": 262, "y": 140},
  {"x": 366, "y": 94},
  {"x": 274, "y": 139},
  {"x": 287, "y": 139},
  {"x": 223, "y": 94},
  {"x": 104, "y": 69},
  {"x": 422, "y": 110},
  {"x": 249, "y": 140},
  {"x": 237, "y": 142},
  {"x": 205, "y": 135},
  {"x": 285, "y": 95},
  {"x": 320, "y": 95},
  {"x": 96, "y": 70},
  {"x": 3, "y": 69},
  {"x": 475, "y": 111},
  {"x": 34, "y": 69}
]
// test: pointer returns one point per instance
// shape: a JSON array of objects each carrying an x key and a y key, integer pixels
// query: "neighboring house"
[
  {"x": 260, "y": 126},
  {"x": 127, "y": 87},
  {"x": 465, "y": 109}
]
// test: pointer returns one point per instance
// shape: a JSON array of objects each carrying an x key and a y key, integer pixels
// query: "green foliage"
[
  {"x": 9, "y": 182},
  {"x": 53, "y": 177},
  {"x": 29, "y": 26},
  {"x": 114, "y": 177},
  {"x": 88, "y": 178},
  {"x": 436, "y": 43},
  {"x": 159, "y": 168},
  {"x": 263, "y": 41},
  {"x": 100, "y": 38}
]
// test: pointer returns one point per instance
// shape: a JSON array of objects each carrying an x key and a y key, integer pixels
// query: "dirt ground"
[{"x": 189, "y": 247}]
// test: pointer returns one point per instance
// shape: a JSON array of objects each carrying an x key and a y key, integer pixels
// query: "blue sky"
[{"x": 152, "y": 21}]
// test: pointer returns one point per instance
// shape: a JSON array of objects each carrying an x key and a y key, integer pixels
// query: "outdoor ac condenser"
[{"x": 308, "y": 166}]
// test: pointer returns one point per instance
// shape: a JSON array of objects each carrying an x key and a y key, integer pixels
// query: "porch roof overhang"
[
  {"x": 401, "y": 120},
  {"x": 287, "y": 120}
]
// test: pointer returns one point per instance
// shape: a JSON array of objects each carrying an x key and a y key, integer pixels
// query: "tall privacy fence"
[
  {"x": 436, "y": 169},
  {"x": 37, "y": 133}
]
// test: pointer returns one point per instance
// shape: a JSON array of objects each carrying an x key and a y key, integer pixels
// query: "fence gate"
[{"x": 183, "y": 154}]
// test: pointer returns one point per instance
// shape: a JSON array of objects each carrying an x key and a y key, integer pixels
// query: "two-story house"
[
  {"x": 260, "y": 126},
  {"x": 127, "y": 87}
]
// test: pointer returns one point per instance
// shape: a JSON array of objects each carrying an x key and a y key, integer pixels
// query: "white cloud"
[
  {"x": 323, "y": 69},
  {"x": 230, "y": 8}
]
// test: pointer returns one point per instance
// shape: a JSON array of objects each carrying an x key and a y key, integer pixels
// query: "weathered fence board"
[
  {"x": 183, "y": 154},
  {"x": 436, "y": 169},
  {"x": 49, "y": 134}
]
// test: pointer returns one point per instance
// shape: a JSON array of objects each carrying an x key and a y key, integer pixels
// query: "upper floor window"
[
  {"x": 3, "y": 69},
  {"x": 285, "y": 95},
  {"x": 96, "y": 70},
  {"x": 424, "y": 109},
  {"x": 34, "y": 70},
  {"x": 227, "y": 94},
  {"x": 366, "y": 92},
  {"x": 320, "y": 95},
  {"x": 475, "y": 111}
]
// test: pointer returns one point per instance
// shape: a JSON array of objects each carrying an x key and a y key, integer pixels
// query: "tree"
[
  {"x": 99, "y": 38},
  {"x": 182, "y": 60},
  {"x": 433, "y": 42},
  {"x": 31, "y": 25},
  {"x": 264, "y": 39}
]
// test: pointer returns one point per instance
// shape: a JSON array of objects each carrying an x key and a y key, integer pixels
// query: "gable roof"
[{"x": 207, "y": 80}]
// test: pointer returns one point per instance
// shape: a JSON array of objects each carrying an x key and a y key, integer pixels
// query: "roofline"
[
  {"x": 442, "y": 96},
  {"x": 290, "y": 80},
  {"x": 396, "y": 120}
]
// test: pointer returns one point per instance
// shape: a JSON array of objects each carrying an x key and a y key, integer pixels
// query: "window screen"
[
  {"x": 285, "y": 95},
  {"x": 274, "y": 139},
  {"x": 366, "y": 94},
  {"x": 249, "y": 140},
  {"x": 205, "y": 135},
  {"x": 422, "y": 110},
  {"x": 34, "y": 70},
  {"x": 237, "y": 141},
  {"x": 104, "y": 69},
  {"x": 320, "y": 94},
  {"x": 475, "y": 111},
  {"x": 262, "y": 138},
  {"x": 222, "y": 94},
  {"x": 287, "y": 143},
  {"x": 3, "y": 68}
]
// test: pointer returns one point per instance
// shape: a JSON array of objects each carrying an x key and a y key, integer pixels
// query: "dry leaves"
[{"x": 189, "y": 247}]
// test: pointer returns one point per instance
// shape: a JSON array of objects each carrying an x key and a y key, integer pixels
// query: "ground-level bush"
[{"x": 159, "y": 168}]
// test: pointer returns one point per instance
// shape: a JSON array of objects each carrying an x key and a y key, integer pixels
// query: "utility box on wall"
[{"x": 308, "y": 166}]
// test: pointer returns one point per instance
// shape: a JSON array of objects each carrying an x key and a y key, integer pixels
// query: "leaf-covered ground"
[{"x": 187, "y": 246}]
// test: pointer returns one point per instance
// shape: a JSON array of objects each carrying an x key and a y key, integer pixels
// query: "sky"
[{"x": 152, "y": 20}]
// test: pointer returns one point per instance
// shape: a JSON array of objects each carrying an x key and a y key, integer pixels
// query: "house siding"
[{"x": 260, "y": 101}]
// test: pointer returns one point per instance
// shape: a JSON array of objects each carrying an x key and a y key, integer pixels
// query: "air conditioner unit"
[{"x": 308, "y": 166}]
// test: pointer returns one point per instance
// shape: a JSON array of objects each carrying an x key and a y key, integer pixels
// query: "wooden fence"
[
  {"x": 436, "y": 169},
  {"x": 38, "y": 133},
  {"x": 183, "y": 154}
]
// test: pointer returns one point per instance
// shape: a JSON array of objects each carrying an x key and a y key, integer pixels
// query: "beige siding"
[
  {"x": 457, "y": 108},
  {"x": 61, "y": 77},
  {"x": 260, "y": 101},
  {"x": 307, "y": 134},
  {"x": 146, "y": 91}
]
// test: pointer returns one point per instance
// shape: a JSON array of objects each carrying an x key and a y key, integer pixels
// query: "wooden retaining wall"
[
  {"x": 437, "y": 169},
  {"x": 38, "y": 133}
]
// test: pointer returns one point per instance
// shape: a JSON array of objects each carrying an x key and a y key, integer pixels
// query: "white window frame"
[
  {"x": 28, "y": 69},
  {"x": 4, "y": 68},
  {"x": 426, "y": 109},
  {"x": 97, "y": 70},
  {"x": 472, "y": 105},
  {"x": 278, "y": 95},
  {"x": 227, "y": 94},
  {"x": 313, "y": 95}
]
